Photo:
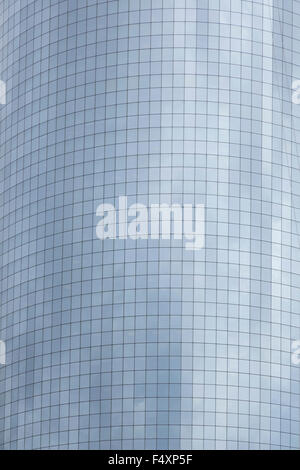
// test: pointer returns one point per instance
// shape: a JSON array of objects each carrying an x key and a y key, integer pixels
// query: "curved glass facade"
[{"x": 142, "y": 344}]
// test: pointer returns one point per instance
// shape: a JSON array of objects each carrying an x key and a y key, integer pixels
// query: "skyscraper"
[{"x": 143, "y": 344}]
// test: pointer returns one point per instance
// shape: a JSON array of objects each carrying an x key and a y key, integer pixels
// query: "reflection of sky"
[{"x": 125, "y": 344}]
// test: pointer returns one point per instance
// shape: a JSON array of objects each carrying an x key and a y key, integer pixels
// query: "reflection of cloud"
[
  {"x": 2, "y": 92},
  {"x": 139, "y": 405},
  {"x": 2, "y": 352}
]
